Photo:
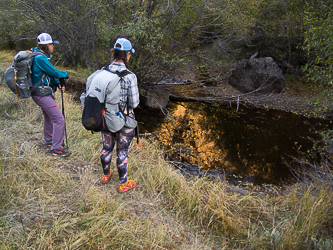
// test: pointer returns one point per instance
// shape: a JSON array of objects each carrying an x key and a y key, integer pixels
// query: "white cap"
[{"x": 45, "y": 38}]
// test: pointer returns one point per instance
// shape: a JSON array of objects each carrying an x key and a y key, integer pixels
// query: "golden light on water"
[
  {"x": 195, "y": 146},
  {"x": 213, "y": 137}
]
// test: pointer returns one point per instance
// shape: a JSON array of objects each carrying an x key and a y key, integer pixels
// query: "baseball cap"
[
  {"x": 45, "y": 38},
  {"x": 125, "y": 45}
]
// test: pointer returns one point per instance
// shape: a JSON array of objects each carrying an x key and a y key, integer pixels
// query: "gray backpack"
[
  {"x": 101, "y": 109},
  {"x": 18, "y": 75}
]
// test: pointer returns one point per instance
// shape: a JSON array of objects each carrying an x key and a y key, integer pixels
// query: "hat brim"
[
  {"x": 55, "y": 42},
  {"x": 132, "y": 50}
]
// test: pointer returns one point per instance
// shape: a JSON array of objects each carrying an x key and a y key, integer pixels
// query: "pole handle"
[{"x": 62, "y": 82}]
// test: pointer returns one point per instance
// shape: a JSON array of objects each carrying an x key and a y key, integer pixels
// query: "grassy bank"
[{"x": 54, "y": 203}]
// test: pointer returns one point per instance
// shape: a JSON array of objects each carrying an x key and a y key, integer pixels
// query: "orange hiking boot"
[
  {"x": 128, "y": 185},
  {"x": 106, "y": 178}
]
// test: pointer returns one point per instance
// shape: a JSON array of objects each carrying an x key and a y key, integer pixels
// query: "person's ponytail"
[{"x": 117, "y": 55}]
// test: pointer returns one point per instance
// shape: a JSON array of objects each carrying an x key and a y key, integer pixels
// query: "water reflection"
[{"x": 250, "y": 145}]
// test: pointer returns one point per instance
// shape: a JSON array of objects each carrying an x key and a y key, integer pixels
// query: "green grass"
[{"x": 58, "y": 203}]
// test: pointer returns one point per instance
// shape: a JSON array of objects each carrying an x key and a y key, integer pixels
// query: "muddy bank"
[
  {"x": 309, "y": 101},
  {"x": 314, "y": 102}
]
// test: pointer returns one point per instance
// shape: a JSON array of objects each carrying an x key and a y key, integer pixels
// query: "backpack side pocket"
[{"x": 93, "y": 115}]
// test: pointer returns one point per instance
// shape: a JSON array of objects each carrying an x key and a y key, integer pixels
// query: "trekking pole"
[{"x": 62, "y": 84}]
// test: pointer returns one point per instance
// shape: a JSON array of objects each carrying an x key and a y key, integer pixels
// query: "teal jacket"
[{"x": 41, "y": 65}]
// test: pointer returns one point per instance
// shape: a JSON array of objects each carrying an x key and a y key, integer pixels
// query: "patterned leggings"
[{"x": 124, "y": 139}]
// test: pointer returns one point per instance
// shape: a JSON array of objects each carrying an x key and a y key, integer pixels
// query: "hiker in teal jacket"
[
  {"x": 46, "y": 78},
  {"x": 41, "y": 65}
]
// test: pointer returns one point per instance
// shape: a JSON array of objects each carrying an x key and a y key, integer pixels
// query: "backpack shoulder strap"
[
  {"x": 35, "y": 53},
  {"x": 121, "y": 74}
]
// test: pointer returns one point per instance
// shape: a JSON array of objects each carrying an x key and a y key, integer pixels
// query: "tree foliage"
[
  {"x": 172, "y": 35},
  {"x": 277, "y": 32},
  {"x": 13, "y": 26},
  {"x": 318, "y": 43},
  {"x": 164, "y": 33}
]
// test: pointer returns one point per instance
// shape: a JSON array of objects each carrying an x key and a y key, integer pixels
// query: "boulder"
[
  {"x": 258, "y": 75},
  {"x": 157, "y": 98}
]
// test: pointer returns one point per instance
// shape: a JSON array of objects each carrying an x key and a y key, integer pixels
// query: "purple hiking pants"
[{"x": 53, "y": 120}]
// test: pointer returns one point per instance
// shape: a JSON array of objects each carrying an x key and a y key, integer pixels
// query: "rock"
[
  {"x": 239, "y": 190},
  {"x": 168, "y": 80},
  {"x": 259, "y": 75},
  {"x": 157, "y": 98},
  {"x": 195, "y": 173},
  {"x": 329, "y": 148}
]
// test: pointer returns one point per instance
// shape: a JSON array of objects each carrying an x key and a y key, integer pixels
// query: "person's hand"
[
  {"x": 62, "y": 88},
  {"x": 63, "y": 82}
]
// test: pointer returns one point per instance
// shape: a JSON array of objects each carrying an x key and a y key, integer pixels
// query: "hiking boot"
[
  {"x": 48, "y": 144},
  {"x": 128, "y": 185},
  {"x": 61, "y": 152},
  {"x": 106, "y": 178}
]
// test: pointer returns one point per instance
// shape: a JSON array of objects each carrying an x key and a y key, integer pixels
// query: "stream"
[{"x": 248, "y": 146}]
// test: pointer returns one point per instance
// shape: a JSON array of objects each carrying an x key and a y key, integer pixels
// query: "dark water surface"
[{"x": 251, "y": 145}]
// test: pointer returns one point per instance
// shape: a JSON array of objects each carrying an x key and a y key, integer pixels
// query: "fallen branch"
[{"x": 149, "y": 134}]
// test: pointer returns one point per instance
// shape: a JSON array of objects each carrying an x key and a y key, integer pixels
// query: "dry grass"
[{"x": 55, "y": 203}]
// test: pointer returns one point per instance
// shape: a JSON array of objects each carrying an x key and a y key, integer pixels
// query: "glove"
[
  {"x": 54, "y": 88},
  {"x": 63, "y": 81}
]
